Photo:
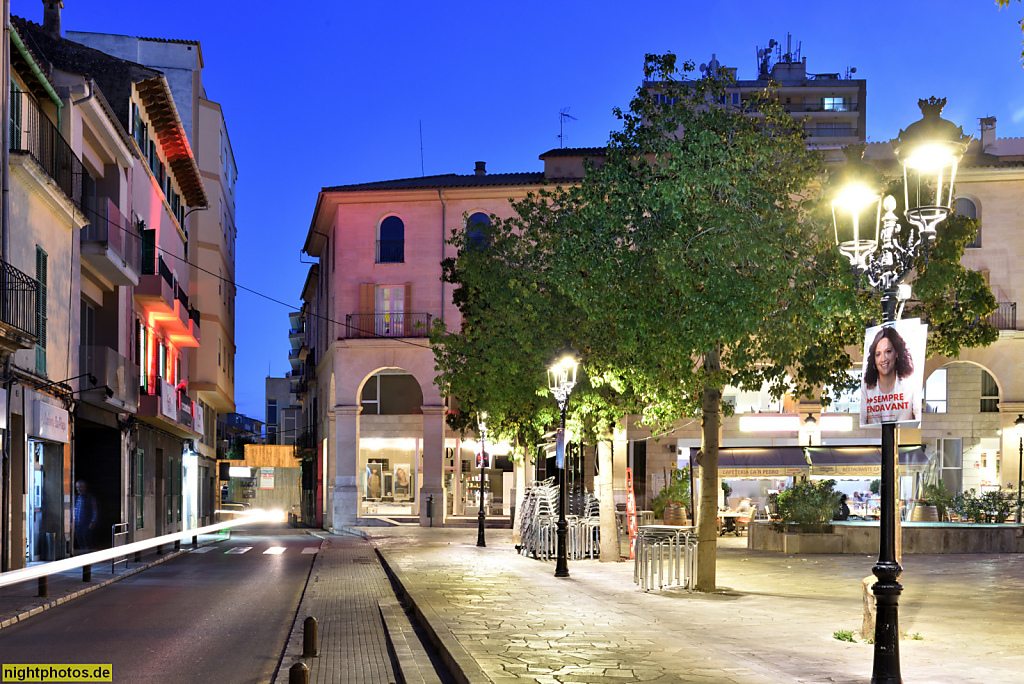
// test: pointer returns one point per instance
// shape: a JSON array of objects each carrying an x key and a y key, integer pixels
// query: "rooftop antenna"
[
  {"x": 562, "y": 116},
  {"x": 422, "y": 172},
  {"x": 850, "y": 71}
]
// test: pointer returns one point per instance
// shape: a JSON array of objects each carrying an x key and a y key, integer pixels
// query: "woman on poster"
[{"x": 887, "y": 397}]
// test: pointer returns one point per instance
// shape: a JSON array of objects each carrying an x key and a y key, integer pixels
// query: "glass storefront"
[{"x": 388, "y": 477}]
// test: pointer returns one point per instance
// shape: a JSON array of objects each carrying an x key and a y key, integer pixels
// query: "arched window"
[
  {"x": 475, "y": 229},
  {"x": 965, "y": 207},
  {"x": 391, "y": 241}
]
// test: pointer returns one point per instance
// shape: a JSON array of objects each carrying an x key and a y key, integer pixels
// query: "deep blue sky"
[{"x": 328, "y": 92}]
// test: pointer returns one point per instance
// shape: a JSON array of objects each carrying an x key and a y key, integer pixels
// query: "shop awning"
[
  {"x": 759, "y": 461},
  {"x": 863, "y": 461}
]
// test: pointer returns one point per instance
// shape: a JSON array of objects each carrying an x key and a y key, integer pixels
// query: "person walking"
[{"x": 87, "y": 516}]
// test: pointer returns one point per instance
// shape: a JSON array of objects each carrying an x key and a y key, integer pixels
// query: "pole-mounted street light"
[
  {"x": 481, "y": 516},
  {"x": 879, "y": 250},
  {"x": 561, "y": 380},
  {"x": 1019, "y": 424}
]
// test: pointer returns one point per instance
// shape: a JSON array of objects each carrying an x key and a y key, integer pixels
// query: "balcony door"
[{"x": 390, "y": 311}]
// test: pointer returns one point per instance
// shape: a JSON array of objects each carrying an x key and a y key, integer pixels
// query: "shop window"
[
  {"x": 989, "y": 393},
  {"x": 848, "y": 401},
  {"x": 935, "y": 392}
]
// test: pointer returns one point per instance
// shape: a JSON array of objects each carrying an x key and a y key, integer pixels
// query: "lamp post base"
[{"x": 561, "y": 559}]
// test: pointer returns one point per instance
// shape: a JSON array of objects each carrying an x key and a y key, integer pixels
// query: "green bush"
[
  {"x": 937, "y": 495},
  {"x": 876, "y": 486},
  {"x": 811, "y": 505},
  {"x": 676, "y": 491},
  {"x": 990, "y": 507}
]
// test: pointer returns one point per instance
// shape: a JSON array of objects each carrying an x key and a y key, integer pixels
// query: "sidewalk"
[
  {"x": 22, "y": 600},
  {"x": 506, "y": 618}
]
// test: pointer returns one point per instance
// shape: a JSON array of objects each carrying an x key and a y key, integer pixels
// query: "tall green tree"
[{"x": 686, "y": 260}]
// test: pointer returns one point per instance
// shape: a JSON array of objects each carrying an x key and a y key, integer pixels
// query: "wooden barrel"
[
  {"x": 675, "y": 515},
  {"x": 925, "y": 514}
]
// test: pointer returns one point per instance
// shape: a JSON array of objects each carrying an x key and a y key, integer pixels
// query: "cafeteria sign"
[
  {"x": 266, "y": 478},
  {"x": 761, "y": 472}
]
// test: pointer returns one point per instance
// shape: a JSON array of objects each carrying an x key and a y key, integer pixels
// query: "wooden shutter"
[
  {"x": 41, "y": 272},
  {"x": 15, "y": 141},
  {"x": 367, "y": 308},
  {"x": 148, "y": 251},
  {"x": 407, "y": 319}
]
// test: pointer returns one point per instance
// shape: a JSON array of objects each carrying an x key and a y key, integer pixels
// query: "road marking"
[
  {"x": 311, "y": 549},
  {"x": 238, "y": 549},
  {"x": 274, "y": 551},
  {"x": 205, "y": 549}
]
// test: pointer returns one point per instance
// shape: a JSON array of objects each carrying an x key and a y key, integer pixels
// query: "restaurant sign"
[
  {"x": 779, "y": 471},
  {"x": 859, "y": 470}
]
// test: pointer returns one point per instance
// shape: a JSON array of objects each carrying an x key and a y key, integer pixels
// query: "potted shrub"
[
  {"x": 809, "y": 506},
  {"x": 675, "y": 496}
]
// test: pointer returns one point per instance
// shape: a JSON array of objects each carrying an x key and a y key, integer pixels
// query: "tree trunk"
[
  {"x": 707, "y": 513},
  {"x": 609, "y": 534},
  {"x": 521, "y": 468}
]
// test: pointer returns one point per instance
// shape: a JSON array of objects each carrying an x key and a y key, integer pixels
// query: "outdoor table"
[
  {"x": 667, "y": 552},
  {"x": 729, "y": 521}
]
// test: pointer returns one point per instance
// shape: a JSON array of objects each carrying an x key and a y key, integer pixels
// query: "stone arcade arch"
[{"x": 353, "y": 369}]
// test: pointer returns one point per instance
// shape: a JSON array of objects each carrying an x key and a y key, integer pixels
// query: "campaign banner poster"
[
  {"x": 892, "y": 385},
  {"x": 560, "y": 448}
]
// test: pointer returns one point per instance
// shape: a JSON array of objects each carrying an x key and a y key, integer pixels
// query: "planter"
[{"x": 925, "y": 514}]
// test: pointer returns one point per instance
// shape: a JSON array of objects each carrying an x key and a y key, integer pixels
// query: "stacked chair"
[{"x": 538, "y": 524}]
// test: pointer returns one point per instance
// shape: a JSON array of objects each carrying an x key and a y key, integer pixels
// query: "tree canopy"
[{"x": 694, "y": 254}]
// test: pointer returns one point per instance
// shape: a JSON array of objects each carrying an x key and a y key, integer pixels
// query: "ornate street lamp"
[
  {"x": 1019, "y": 424},
  {"x": 929, "y": 152},
  {"x": 481, "y": 516},
  {"x": 561, "y": 380}
]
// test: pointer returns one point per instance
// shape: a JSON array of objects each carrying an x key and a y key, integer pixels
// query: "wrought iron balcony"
[
  {"x": 111, "y": 245},
  {"x": 18, "y": 295},
  {"x": 387, "y": 325},
  {"x": 1004, "y": 317},
  {"x": 32, "y": 133}
]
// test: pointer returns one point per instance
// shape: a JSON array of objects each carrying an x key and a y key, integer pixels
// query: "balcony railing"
[
  {"x": 109, "y": 228},
  {"x": 18, "y": 294},
  {"x": 112, "y": 371},
  {"x": 387, "y": 325},
  {"x": 390, "y": 251},
  {"x": 33, "y": 133},
  {"x": 1004, "y": 317}
]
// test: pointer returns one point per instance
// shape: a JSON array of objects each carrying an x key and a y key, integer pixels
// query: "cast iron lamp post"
[
  {"x": 1019, "y": 424},
  {"x": 481, "y": 516},
  {"x": 929, "y": 152},
  {"x": 561, "y": 380}
]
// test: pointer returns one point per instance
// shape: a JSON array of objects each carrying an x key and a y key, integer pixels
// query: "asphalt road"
[{"x": 221, "y": 613}]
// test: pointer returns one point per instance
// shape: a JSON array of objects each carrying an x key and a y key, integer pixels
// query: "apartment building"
[
  {"x": 283, "y": 413},
  {"x": 113, "y": 290},
  {"x": 211, "y": 231}
]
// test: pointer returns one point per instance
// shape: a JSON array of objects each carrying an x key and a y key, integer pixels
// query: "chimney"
[
  {"x": 481, "y": 169},
  {"x": 988, "y": 133},
  {"x": 51, "y": 17}
]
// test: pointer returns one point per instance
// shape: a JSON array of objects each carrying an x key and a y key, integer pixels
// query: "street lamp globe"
[
  {"x": 929, "y": 151},
  {"x": 856, "y": 191},
  {"x": 562, "y": 373}
]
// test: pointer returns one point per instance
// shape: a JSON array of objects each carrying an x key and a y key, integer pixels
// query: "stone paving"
[
  {"x": 345, "y": 584},
  {"x": 772, "y": 620}
]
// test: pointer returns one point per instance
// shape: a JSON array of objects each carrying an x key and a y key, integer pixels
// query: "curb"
[
  {"x": 463, "y": 667},
  {"x": 82, "y": 592}
]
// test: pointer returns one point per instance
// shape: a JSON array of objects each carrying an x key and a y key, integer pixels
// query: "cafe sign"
[
  {"x": 762, "y": 472},
  {"x": 51, "y": 423}
]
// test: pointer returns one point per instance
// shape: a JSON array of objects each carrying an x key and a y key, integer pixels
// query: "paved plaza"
[{"x": 772, "y": 621}]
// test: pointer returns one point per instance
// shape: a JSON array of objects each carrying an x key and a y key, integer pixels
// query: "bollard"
[
  {"x": 159, "y": 549},
  {"x": 298, "y": 674},
  {"x": 430, "y": 509},
  {"x": 195, "y": 541},
  {"x": 87, "y": 573},
  {"x": 309, "y": 638},
  {"x": 138, "y": 556},
  {"x": 44, "y": 586},
  {"x": 177, "y": 545}
]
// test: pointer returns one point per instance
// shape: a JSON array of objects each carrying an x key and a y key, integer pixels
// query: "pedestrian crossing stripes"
[
  {"x": 205, "y": 549},
  {"x": 274, "y": 551},
  {"x": 311, "y": 549},
  {"x": 238, "y": 549}
]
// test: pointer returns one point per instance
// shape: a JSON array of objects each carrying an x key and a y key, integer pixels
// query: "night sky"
[{"x": 334, "y": 92}]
